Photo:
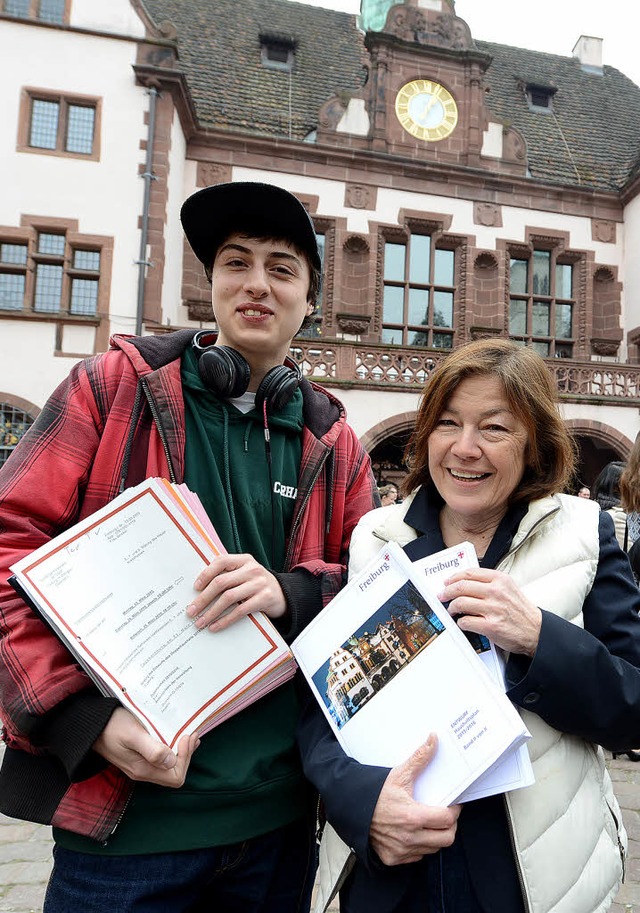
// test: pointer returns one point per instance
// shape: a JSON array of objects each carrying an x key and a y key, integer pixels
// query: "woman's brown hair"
[
  {"x": 550, "y": 456},
  {"x": 630, "y": 480}
]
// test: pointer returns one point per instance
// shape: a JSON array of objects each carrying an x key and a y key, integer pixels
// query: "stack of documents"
[
  {"x": 388, "y": 665},
  {"x": 115, "y": 587}
]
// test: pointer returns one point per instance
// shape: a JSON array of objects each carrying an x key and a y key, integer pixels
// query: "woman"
[
  {"x": 605, "y": 491},
  {"x": 488, "y": 460}
]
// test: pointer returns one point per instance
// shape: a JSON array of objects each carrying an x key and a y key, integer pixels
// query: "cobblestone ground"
[{"x": 25, "y": 852}]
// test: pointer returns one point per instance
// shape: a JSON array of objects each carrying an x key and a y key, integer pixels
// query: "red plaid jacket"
[{"x": 117, "y": 419}]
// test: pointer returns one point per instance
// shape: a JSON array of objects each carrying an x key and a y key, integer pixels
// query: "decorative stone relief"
[
  {"x": 514, "y": 146},
  {"x": 488, "y": 214},
  {"x": 603, "y": 230},
  {"x": 331, "y": 113},
  {"x": 607, "y": 348},
  {"x": 360, "y": 196},
  {"x": 211, "y": 173},
  {"x": 441, "y": 30},
  {"x": 353, "y": 324}
]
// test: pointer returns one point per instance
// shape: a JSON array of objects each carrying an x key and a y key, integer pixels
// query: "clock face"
[{"x": 426, "y": 110}]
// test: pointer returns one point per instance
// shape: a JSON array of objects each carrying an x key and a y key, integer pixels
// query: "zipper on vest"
[
  {"x": 156, "y": 418},
  {"x": 523, "y": 889}
]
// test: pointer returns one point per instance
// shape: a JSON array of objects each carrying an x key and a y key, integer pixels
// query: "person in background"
[
  {"x": 231, "y": 825},
  {"x": 606, "y": 492},
  {"x": 630, "y": 492},
  {"x": 488, "y": 462},
  {"x": 584, "y": 492},
  {"x": 388, "y": 494}
]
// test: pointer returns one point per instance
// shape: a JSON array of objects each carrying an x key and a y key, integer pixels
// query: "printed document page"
[
  {"x": 388, "y": 665},
  {"x": 515, "y": 771},
  {"x": 116, "y": 587}
]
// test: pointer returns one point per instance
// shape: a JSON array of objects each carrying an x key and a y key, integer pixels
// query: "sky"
[{"x": 553, "y": 26}]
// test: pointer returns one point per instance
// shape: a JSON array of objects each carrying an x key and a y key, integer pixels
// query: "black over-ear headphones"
[{"x": 227, "y": 374}]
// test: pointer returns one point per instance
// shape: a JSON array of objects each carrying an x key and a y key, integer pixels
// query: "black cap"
[{"x": 212, "y": 214}]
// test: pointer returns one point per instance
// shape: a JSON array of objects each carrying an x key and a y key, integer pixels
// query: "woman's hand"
[
  {"x": 233, "y": 586},
  {"x": 489, "y": 602},
  {"x": 403, "y": 830},
  {"x": 125, "y": 743}
]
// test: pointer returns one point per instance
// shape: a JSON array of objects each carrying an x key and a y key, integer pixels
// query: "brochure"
[
  {"x": 516, "y": 770},
  {"x": 388, "y": 665},
  {"x": 115, "y": 587}
]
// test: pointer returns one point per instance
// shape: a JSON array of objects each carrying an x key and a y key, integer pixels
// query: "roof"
[
  {"x": 590, "y": 138},
  {"x": 592, "y": 134},
  {"x": 219, "y": 48}
]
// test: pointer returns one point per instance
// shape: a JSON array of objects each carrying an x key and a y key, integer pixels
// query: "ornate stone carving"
[
  {"x": 331, "y": 113},
  {"x": 359, "y": 196},
  {"x": 607, "y": 348},
  {"x": 200, "y": 311},
  {"x": 514, "y": 146},
  {"x": 356, "y": 244},
  {"x": 412, "y": 24},
  {"x": 212, "y": 173},
  {"x": 353, "y": 324},
  {"x": 477, "y": 332},
  {"x": 488, "y": 214},
  {"x": 603, "y": 230}
]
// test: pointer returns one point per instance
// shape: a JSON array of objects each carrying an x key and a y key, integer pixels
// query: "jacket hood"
[{"x": 324, "y": 415}]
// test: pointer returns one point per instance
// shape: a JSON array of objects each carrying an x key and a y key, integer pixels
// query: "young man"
[{"x": 225, "y": 823}]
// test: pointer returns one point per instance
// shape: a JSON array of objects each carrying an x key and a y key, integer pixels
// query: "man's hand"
[
  {"x": 125, "y": 743},
  {"x": 403, "y": 830},
  {"x": 233, "y": 586}
]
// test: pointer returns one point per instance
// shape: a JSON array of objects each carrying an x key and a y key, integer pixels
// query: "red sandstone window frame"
[
  {"x": 34, "y": 12},
  {"x": 65, "y": 101},
  {"x": 28, "y": 236}
]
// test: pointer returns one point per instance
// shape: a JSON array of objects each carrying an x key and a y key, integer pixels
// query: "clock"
[{"x": 426, "y": 110}]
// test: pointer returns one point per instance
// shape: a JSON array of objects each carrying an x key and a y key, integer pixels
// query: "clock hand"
[{"x": 429, "y": 105}]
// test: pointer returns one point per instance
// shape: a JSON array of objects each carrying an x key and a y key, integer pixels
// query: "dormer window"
[
  {"x": 540, "y": 98},
  {"x": 277, "y": 53}
]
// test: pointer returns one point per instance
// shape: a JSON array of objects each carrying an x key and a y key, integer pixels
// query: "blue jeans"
[{"x": 273, "y": 873}]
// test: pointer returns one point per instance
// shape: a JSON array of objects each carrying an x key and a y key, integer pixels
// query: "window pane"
[
  {"x": 564, "y": 328},
  {"x": 51, "y": 11},
  {"x": 86, "y": 259},
  {"x": 418, "y": 338},
  {"x": 17, "y": 8},
  {"x": 564, "y": 351},
  {"x": 519, "y": 277},
  {"x": 418, "y": 306},
  {"x": 442, "y": 341},
  {"x": 564, "y": 281},
  {"x": 51, "y": 244},
  {"x": 394, "y": 262},
  {"x": 443, "y": 309},
  {"x": 443, "y": 272},
  {"x": 540, "y": 321},
  {"x": 518, "y": 317},
  {"x": 48, "y": 287},
  {"x": 541, "y": 272},
  {"x": 44, "y": 124},
  {"x": 13, "y": 253},
  {"x": 542, "y": 348},
  {"x": 392, "y": 309},
  {"x": 84, "y": 296},
  {"x": 13, "y": 424},
  {"x": 392, "y": 337},
  {"x": 419, "y": 256},
  {"x": 11, "y": 291},
  {"x": 80, "y": 122}
]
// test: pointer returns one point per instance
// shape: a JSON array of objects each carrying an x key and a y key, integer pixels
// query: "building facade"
[{"x": 458, "y": 188}]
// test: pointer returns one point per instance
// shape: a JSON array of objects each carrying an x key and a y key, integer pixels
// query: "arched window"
[{"x": 13, "y": 424}]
